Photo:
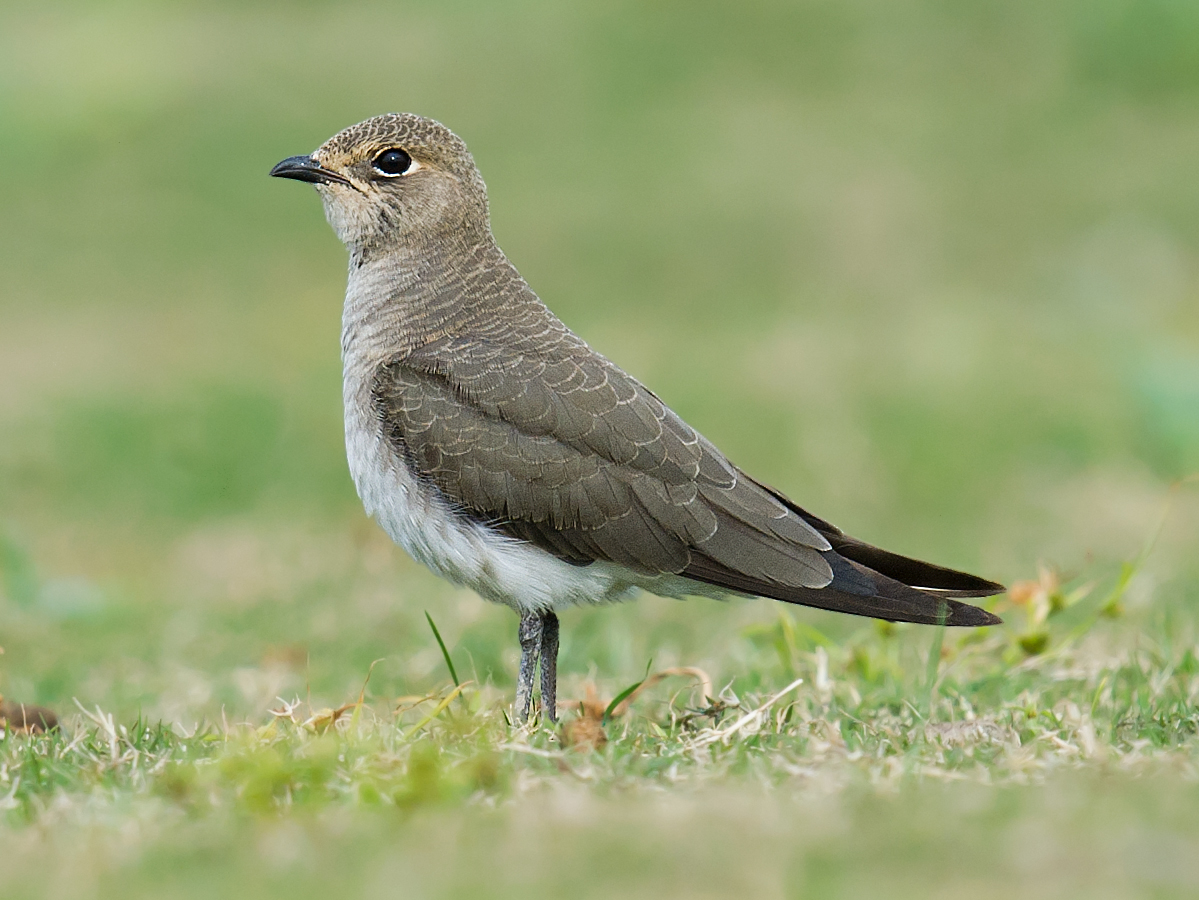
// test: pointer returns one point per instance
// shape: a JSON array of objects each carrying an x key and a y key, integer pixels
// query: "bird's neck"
[{"x": 402, "y": 296}]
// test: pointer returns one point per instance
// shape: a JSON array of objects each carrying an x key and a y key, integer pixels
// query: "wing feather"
[{"x": 556, "y": 446}]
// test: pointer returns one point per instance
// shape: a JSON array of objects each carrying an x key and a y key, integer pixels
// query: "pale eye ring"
[{"x": 392, "y": 162}]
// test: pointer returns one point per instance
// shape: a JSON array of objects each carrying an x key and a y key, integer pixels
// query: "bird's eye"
[{"x": 392, "y": 162}]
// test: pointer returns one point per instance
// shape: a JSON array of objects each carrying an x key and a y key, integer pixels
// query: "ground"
[{"x": 1071, "y": 770}]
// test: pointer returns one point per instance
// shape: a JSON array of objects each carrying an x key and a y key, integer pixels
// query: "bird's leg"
[
  {"x": 549, "y": 666},
  {"x": 530, "y": 647}
]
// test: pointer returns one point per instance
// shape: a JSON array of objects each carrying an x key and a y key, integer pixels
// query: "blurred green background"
[{"x": 930, "y": 268}]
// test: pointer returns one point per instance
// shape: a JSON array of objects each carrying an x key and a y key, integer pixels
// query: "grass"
[
  {"x": 929, "y": 269},
  {"x": 1040, "y": 756}
]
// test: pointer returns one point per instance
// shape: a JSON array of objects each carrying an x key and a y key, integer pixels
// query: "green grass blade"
[
  {"x": 438, "y": 710},
  {"x": 449, "y": 663},
  {"x": 620, "y": 698},
  {"x": 625, "y": 694}
]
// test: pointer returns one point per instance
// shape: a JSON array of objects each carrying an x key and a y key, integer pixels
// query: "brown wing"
[
  {"x": 555, "y": 445},
  {"x": 575, "y": 456}
]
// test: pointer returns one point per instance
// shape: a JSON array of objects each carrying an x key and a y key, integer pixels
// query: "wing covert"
[{"x": 602, "y": 470}]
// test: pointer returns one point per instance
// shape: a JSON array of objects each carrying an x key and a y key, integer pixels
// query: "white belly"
[{"x": 501, "y": 569}]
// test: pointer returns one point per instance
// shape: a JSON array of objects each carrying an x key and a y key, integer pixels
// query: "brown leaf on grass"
[
  {"x": 26, "y": 719},
  {"x": 593, "y": 707},
  {"x": 1036, "y": 592},
  {"x": 324, "y": 719},
  {"x": 317, "y": 721},
  {"x": 586, "y": 732}
]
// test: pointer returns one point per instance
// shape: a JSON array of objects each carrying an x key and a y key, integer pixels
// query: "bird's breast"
[{"x": 455, "y": 546}]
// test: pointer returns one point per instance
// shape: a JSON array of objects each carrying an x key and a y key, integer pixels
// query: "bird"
[{"x": 498, "y": 449}]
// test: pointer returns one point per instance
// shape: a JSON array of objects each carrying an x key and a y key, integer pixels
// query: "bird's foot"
[
  {"x": 538, "y": 642},
  {"x": 549, "y": 666},
  {"x": 530, "y": 647}
]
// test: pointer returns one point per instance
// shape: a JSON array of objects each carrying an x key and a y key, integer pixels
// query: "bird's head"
[{"x": 393, "y": 179}]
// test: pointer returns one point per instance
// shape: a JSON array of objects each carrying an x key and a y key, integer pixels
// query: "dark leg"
[
  {"x": 530, "y": 646},
  {"x": 549, "y": 666}
]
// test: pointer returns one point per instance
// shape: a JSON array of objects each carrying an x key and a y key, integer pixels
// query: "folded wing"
[{"x": 557, "y": 446}]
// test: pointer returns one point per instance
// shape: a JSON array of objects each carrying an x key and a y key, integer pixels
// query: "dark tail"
[
  {"x": 855, "y": 589},
  {"x": 867, "y": 581},
  {"x": 911, "y": 572}
]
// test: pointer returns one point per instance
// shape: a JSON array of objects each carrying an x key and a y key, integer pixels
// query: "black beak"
[{"x": 305, "y": 168}]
